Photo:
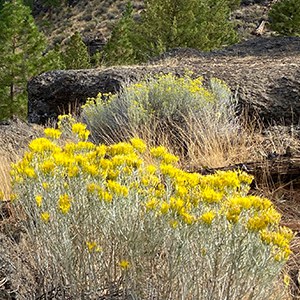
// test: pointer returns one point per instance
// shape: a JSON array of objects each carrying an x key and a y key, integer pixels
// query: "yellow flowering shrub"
[
  {"x": 164, "y": 100},
  {"x": 101, "y": 212}
]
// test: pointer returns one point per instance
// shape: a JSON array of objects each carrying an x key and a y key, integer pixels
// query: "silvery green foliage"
[{"x": 166, "y": 104}]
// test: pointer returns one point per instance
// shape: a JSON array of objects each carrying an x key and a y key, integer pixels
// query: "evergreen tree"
[
  {"x": 1, "y": 3},
  {"x": 52, "y": 3},
  {"x": 22, "y": 55},
  {"x": 76, "y": 54},
  {"x": 200, "y": 24},
  {"x": 29, "y": 3},
  {"x": 26, "y": 2},
  {"x": 55, "y": 59},
  {"x": 119, "y": 49},
  {"x": 284, "y": 17}
]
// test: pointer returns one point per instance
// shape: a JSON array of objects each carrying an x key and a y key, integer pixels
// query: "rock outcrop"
[{"x": 263, "y": 73}]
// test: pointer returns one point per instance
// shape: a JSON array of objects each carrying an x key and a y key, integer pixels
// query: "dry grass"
[
  {"x": 5, "y": 166},
  {"x": 14, "y": 140}
]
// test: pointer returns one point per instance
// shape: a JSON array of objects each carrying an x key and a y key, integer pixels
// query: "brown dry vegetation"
[
  {"x": 14, "y": 138},
  {"x": 94, "y": 18}
]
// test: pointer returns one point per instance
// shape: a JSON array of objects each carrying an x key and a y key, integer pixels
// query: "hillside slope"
[{"x": 94, "y": 19}]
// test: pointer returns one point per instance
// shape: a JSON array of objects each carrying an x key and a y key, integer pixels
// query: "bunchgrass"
[{"x": 5, "y": 178}]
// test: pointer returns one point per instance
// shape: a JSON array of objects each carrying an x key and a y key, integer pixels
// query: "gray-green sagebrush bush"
[
  {"x": 165, "y": 108},
  {"x": 103, "y": 221}
]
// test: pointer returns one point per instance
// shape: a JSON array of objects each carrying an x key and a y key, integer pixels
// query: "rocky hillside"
[{"x": 94, "y": 19}]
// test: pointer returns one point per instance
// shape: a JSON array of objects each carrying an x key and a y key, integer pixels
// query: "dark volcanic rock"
[
  {"x": 55, "y": 92},
  {"x": 94, "y": 44},
  {"x": 263, "y": 73}
]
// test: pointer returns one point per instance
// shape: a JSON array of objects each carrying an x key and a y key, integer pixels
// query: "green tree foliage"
[
  {"x": 234, "y": 4},
  {"x": 29, "y": 3},
  {"x": 26, "y": 2},
  {"x": 284, "y": 17},
  {"x": 76, "y": 55},
  {"x": 22, "y": 55},
  {"x": 1, "y": 3},
  {"x": 52, "y": 3},
  {"x": 167, "y": 24},
  {"x": 55, "y": 58},
  {"x": 200, "y": 24},
  {"x": 120, "y": 48}
]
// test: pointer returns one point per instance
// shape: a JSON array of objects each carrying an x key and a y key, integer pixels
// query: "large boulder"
[
  {"x": 264, "y": 75},
  {"x": 56, "y": 92}
]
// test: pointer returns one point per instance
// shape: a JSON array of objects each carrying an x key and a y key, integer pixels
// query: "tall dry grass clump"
[
  {"x": 102, "y": 222},
  {"x": 5, "y": 178}
]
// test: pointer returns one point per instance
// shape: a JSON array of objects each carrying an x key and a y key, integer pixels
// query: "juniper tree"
[
  {"x": 120, "y": 49},
  {"x": 200, "y": 24},
  {"x": 22, "y": 55},
  {"x": 52, "y": 3},
  {"x": 284, "y": 17},
  {"x": 76, "y": 54}
]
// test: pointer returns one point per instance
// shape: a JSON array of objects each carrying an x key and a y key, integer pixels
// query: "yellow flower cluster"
[
  {"x": 39, "y": 200},
  {"x": 81, "y": 131},
  {"x": 124, "y": 264},
  {"x": 64, "y": 203},
  {"x": 93, "y": 247},
  {"x": 52, "y": 133},
  {"x": 279, "y": 240},
  {"x": 118, "y": 173},
  {"x": 45, "y": 216}
]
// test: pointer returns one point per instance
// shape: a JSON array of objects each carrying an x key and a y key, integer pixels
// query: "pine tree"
[
  {"x": 22, "y": 55},
  {"x": 119, "y": 49},
  {"x": 1, "y": 3},
  {"x": 200, "y": 24},
  {"x": 76, "y": 55},
  {"x": 54, "y": 58},
  {"x": 52, "y": 3},
  {"x": 284, "y": 17}
]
